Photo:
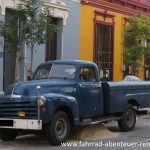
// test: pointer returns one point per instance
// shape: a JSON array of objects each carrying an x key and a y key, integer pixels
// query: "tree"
[
  {"x": 138, "y": 29},
  {"x": 34, "y": 26}
]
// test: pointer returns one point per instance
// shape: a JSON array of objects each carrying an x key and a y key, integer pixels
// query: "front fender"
[{"x": 56, "y": 101}]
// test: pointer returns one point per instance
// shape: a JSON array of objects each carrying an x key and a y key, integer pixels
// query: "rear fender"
[{"x": 131, "y": 97}]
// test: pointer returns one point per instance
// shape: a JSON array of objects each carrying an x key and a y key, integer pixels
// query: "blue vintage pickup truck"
[{"x": 63, "y": 94}]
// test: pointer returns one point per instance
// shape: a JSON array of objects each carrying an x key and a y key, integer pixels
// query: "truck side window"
[{"x": 88, "y": 74}]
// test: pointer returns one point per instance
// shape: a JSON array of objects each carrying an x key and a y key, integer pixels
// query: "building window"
[
  {"x": 51, "y": 45},
  {"x": 104, "y": 51}
]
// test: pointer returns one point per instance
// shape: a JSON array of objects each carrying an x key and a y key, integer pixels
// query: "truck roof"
[{"x": 72, "y": 62}]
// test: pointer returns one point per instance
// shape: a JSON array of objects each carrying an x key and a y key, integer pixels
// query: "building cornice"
[
  {"x": 8, "y": 4},
  {"x": 58, "y": 9},
  {"x": 55, "y": 4},
  {"x": 119, "y": 6},
  {"x": 132, "y": 3}
]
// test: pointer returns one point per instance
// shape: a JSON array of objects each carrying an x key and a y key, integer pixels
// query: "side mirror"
[{"x": 28, "y": 78}]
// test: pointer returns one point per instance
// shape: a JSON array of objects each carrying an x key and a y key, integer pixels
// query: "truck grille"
[{"x": 10, "y": 109}]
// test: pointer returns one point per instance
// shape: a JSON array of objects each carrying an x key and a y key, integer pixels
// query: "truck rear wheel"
[
  {"x": 8, "y": 135},
  {"x": 59, "y": 128},
  {"x": 128, "y": 121}
]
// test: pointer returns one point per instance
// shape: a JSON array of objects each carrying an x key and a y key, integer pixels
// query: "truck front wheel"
[
  {"x": 8, "y": 135},
  {"x": 58, "y": 130},
  {"x": 127, "y": 123}
]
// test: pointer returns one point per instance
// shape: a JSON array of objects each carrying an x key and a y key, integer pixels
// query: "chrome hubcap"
[
  {"x": 61, "y": 128},
  {"x": 129, "y": 118}
]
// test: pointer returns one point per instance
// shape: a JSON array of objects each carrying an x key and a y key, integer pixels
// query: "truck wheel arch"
[
  {"x": 68, "y": 111},
  {"x": 134, "y": 103}
]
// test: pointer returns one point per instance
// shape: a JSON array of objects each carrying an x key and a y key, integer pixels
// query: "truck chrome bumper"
[{"x": 26, "y": 124}]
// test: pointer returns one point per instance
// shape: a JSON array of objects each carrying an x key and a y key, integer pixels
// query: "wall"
[
  {"x": 38, "y": 56},
  {"x": 87, "y": 37},
  {"x": 68, "y": 36},
  {"x": 120, "y": 9},
  {"x": 71, "y": 31}
]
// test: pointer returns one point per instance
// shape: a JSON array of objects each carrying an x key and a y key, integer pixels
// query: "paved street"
[{"x": 139, "y": 134}]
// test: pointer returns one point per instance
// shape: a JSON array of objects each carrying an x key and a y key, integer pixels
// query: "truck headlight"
[{"x": 42, "y": 101}]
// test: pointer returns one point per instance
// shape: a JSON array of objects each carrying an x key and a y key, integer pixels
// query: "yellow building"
[{"x": 101, "y": 34}]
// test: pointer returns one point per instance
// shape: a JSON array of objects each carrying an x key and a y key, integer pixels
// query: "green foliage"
[
  {"x": 138, "y": 29},
  {"x": 133, "y": 55}
]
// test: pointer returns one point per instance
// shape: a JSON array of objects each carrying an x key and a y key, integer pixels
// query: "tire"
[
  {"x": 8, "y": 135},
  {"x": 58, "y": 130},
  {"x": 128, "y": 121}
]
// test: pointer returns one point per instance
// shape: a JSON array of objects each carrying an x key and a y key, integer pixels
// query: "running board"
[{"x": 96, "y": 121}]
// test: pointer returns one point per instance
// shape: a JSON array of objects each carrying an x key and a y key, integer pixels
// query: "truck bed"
[{"x": 118, "y": 94}]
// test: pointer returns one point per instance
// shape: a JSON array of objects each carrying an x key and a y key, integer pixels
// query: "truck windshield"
[
  {"x": 64, "y": 71},
  {"x": 42, "y": 72}
]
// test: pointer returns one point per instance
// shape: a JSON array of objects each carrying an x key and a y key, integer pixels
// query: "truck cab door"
[{"x": 89, "y": 93}]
